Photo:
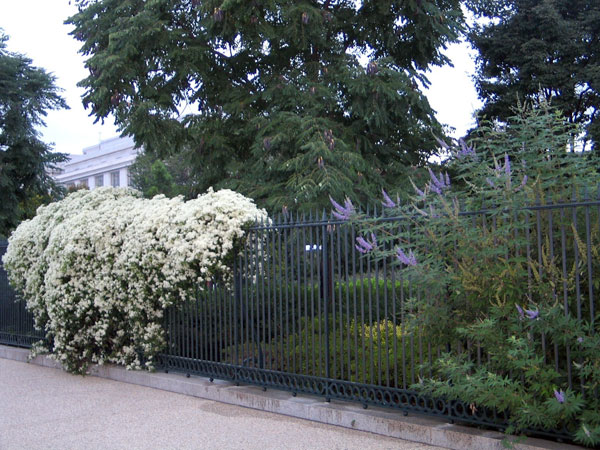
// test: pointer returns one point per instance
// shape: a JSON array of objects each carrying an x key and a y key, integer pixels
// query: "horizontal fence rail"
[{"x": 307, "y": 313}]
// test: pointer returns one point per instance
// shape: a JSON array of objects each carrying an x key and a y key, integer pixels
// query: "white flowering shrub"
[{"x": 98, "y": 268}]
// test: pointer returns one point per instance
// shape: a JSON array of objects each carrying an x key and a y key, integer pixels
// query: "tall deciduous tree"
[
  {"x": 540, "y": 50},
  {"x": 270, "y": 95},
  {"x": 26, "y": 94}
]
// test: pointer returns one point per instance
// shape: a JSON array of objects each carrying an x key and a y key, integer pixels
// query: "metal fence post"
[
  {"x": 237, "y": 294},
  {"x": 325, "y": 285}
]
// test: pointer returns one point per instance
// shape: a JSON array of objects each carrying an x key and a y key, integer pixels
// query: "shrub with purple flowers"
[{"x": 502, "y": 276}]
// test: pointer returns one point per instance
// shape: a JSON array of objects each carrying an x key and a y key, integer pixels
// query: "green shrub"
[
  {"x": 506, "y": 284},
  {"x": 377, "y": 354}
]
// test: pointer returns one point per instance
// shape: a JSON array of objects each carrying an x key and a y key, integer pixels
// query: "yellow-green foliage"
[{"x": 371, "y": 354}]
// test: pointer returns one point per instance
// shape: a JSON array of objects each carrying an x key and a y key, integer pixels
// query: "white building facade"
[{"x": 104, "y": 164}]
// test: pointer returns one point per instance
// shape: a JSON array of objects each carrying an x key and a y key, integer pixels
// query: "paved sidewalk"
[{"x": 48, "y": 408}]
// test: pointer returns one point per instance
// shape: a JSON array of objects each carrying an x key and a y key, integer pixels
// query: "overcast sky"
[{"x": 36, "y": 29}]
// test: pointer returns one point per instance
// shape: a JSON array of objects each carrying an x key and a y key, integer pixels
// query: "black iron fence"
[
  {"x": 306, "y": 312},
  {"x": 16, "y": 323}
]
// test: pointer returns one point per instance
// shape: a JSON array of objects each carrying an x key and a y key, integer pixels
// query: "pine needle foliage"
[{"x": 27, "y": 93}]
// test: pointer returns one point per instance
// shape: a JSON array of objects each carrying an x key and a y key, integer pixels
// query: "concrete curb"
[{"x": 415, "y": 428}]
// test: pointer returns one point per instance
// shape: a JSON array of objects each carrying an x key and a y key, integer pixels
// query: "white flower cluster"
[{"x": 98, "y": 268}]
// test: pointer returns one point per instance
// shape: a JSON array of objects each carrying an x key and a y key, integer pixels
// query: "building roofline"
[
  {"x": 106, "y": 141},
  {"x": 89, "y": 157}
]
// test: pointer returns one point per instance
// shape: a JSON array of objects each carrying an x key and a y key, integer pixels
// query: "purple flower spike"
[
  {"x": 435, "y": 189},
  {"x": 363, "y": 242},
  {"x": 408, "y": 260},
  {"x": 388, "y": 202},
  {"x": 580, "y": 340},
  {"x": 412, "y": 259},
  {"x": 465, "y": 150},
  {"x": 348, "y": 204},
  {"x": 438, "y": 184},
  {"x": 522, "y": 185},
  {"x": 586, "y": 431},
  {"x": 559, "y": 395},
  {"x": 532, "y": 314},
  {"x": 442, "y": 143},
  {"x": 365, "y": 246},
  {"x": 521, "y": 312},
  {"x": 342, "y": 212},
  {"x": 335, "y": 204},
  {"x": 497, "y": 167},
  {"x": 434, "y": 179},
  {"x": 360, "y": 249},
  {"x": 490, "y": 182}
]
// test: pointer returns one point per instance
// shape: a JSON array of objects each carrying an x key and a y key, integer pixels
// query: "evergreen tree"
[
  {"x": 171, "y": 176},
  {"x": 26, "y": 94},
  {"x": 540, "y": 50},
  {"x": 161, "y": 181},
  {"x": 269, "y": 96}
]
